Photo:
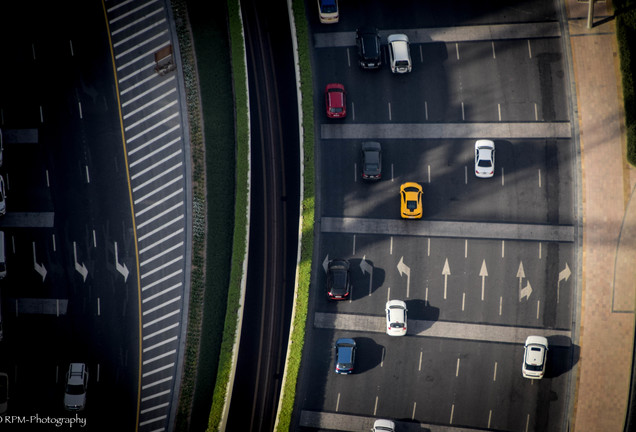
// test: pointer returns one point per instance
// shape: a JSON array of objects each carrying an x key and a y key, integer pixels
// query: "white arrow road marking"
[
  {"x": 80, "y": 268},
  {"x": 521, "y": 274},
  {"x": 404, "y": 269},
  {"x": 38, "y": 267},
  {"x": 366, "y": 267},
  {"x": 563, "y": 275},
  {"x": 325, "y": 263},
  {"x": 483, "y": 273},
  {"x": 446, "y": 272},
  {"x": 121, "y": 268},
  {"x": 525, "y": 292}
]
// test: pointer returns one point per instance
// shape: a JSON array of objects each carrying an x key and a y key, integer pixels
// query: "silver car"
[
  {"x": 3, "y": 201},
  {"x": 396, "y": 318},
  {"x": 534, "y": 356},
  {"x": 484, "y": 158},
  {"x": 76, "y": 385}
]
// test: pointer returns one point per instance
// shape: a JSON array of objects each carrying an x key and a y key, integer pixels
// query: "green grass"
[
  {"x": 299, "y": 319},
  {"x": 219, "y": 144},
  {"x": 625, "y": 12}
]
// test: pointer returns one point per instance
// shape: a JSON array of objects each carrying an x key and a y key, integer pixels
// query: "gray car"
[
  {"x": 76, "y": 385},
  {"x": 371, "y": 160}
]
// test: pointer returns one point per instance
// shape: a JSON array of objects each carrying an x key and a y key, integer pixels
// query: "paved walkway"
[{"x": 606, "y": 334}]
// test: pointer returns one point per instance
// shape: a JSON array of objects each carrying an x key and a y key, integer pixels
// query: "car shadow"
[
  {"x": 423, "y": 312},
  {"x": 368, "y": 354},
  {"x": 562, "y": 356}
]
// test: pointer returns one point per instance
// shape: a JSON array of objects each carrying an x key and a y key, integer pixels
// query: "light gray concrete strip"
[
  {"x": 442, "y": 329},
  {"x": 20, "y": 136},
  {"x": 450, "y": 34},
  {"x": 28, "y": 220},
  {"x": 445, "y": 130},
  {"x": 425, "y": 228},
  {"x": 348, "y": 422},
  {"x": 37, "y": 306}
]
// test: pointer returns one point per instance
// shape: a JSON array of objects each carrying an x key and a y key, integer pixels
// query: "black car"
[
  {"x": 345, "y": 355},
  {"x": 338, "y": 279},
  {"x": 368, "y": 42},
  {"x": 371, "y": 160}
]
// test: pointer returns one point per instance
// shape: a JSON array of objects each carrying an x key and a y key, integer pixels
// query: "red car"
[{"x": 336, "y": 101}]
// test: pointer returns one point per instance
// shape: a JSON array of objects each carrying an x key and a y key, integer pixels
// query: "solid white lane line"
[
  {"x": 163, "y": 330},
  {"x": 153, "y": 101},
  {"x": 157, "y": 269},
  {"x": 156, "y": 164},
  {"x": 160, "y": 215},
  {"x": 155, "y": 395},
  {"x": 151, "y": 141},
  {"x": 151, "y": 115},
  {"x": 158, "y": 176},
  {"x": 159, "y": 357},
  {"x": 162, "y": 253},
  {"x": 138, "y": 72},
  {"x": 157, "y": 370},
  {"x": 156, "y": 407},
  {"x": 158, "y": 242},
  {"x": 156, "y": 383},
  {"x": 155, "y": 152},
  {"x": 155, "y": 126},
  {"x": 137, "y": 21},
  {"x": 160, "y": 293},
  {"x": 161, "y": 318},
  {"x": 162, "y": 305},
  {"x": 159, "y": 344},
  {"x": 164, "y": 199},
  {"x": 152, "y": 89},
  {"x": 140, "y": 32},
  {"x": 130, "y": 12},
  {"x": 173, "y": 221}
]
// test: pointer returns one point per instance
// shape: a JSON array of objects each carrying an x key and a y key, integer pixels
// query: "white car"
[
  {"x": 3, "y": 202},
  {"x": 4, "y": 392},
  {"x": 484, "y": 158},
  {"x": 399, "y": 53},
  {"x": 396, "y": 318},
  {"x": 76, "y": 385},
  {"x": 328, "y": 11},
  {"x": 534, "y": 356},
  {"x": 381, "y": 425}
]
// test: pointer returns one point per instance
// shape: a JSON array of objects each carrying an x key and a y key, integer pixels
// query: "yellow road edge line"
[{"x": 132, "y": 214}]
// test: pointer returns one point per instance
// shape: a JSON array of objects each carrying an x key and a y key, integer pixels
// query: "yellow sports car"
[{"x": 411, "y": 195}]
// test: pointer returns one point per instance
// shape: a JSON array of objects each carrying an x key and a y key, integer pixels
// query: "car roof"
[
  {"x": 345, "y": 341},
  {"x": 397, "y": 38},
  {"x": 484, "y": 144}
]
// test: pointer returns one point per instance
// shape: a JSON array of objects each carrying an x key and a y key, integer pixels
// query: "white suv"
[
  {"x": 399, "y": 53},
  {"x": 534, "y": 356},
  {"x": 75, "y": 389}
]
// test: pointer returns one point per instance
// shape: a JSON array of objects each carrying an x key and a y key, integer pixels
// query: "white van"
[
  {"x": 399, "y": 53},
  {"x": 3, "y": 258}
]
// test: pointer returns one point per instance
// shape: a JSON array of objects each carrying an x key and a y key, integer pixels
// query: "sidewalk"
[{"x": 606, "y": 336}]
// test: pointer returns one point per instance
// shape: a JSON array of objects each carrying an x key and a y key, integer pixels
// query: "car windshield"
[
  {"x": 335, "y": 110},
  {"x": 398, "y": 325},
  {"x": 537, "y": 368},
  {"x": 74, "y": 389},
  {"x": 484, "y": 163},
  {"x": 328, "y": 6},
  {"x": 411, "y": 205},
  {"x": 401, "y": 63}
]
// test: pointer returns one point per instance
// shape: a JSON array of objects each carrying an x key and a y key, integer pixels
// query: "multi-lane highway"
[
  {"x": 96, "y": 226},
  {"x": 491, "y": 261}
]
